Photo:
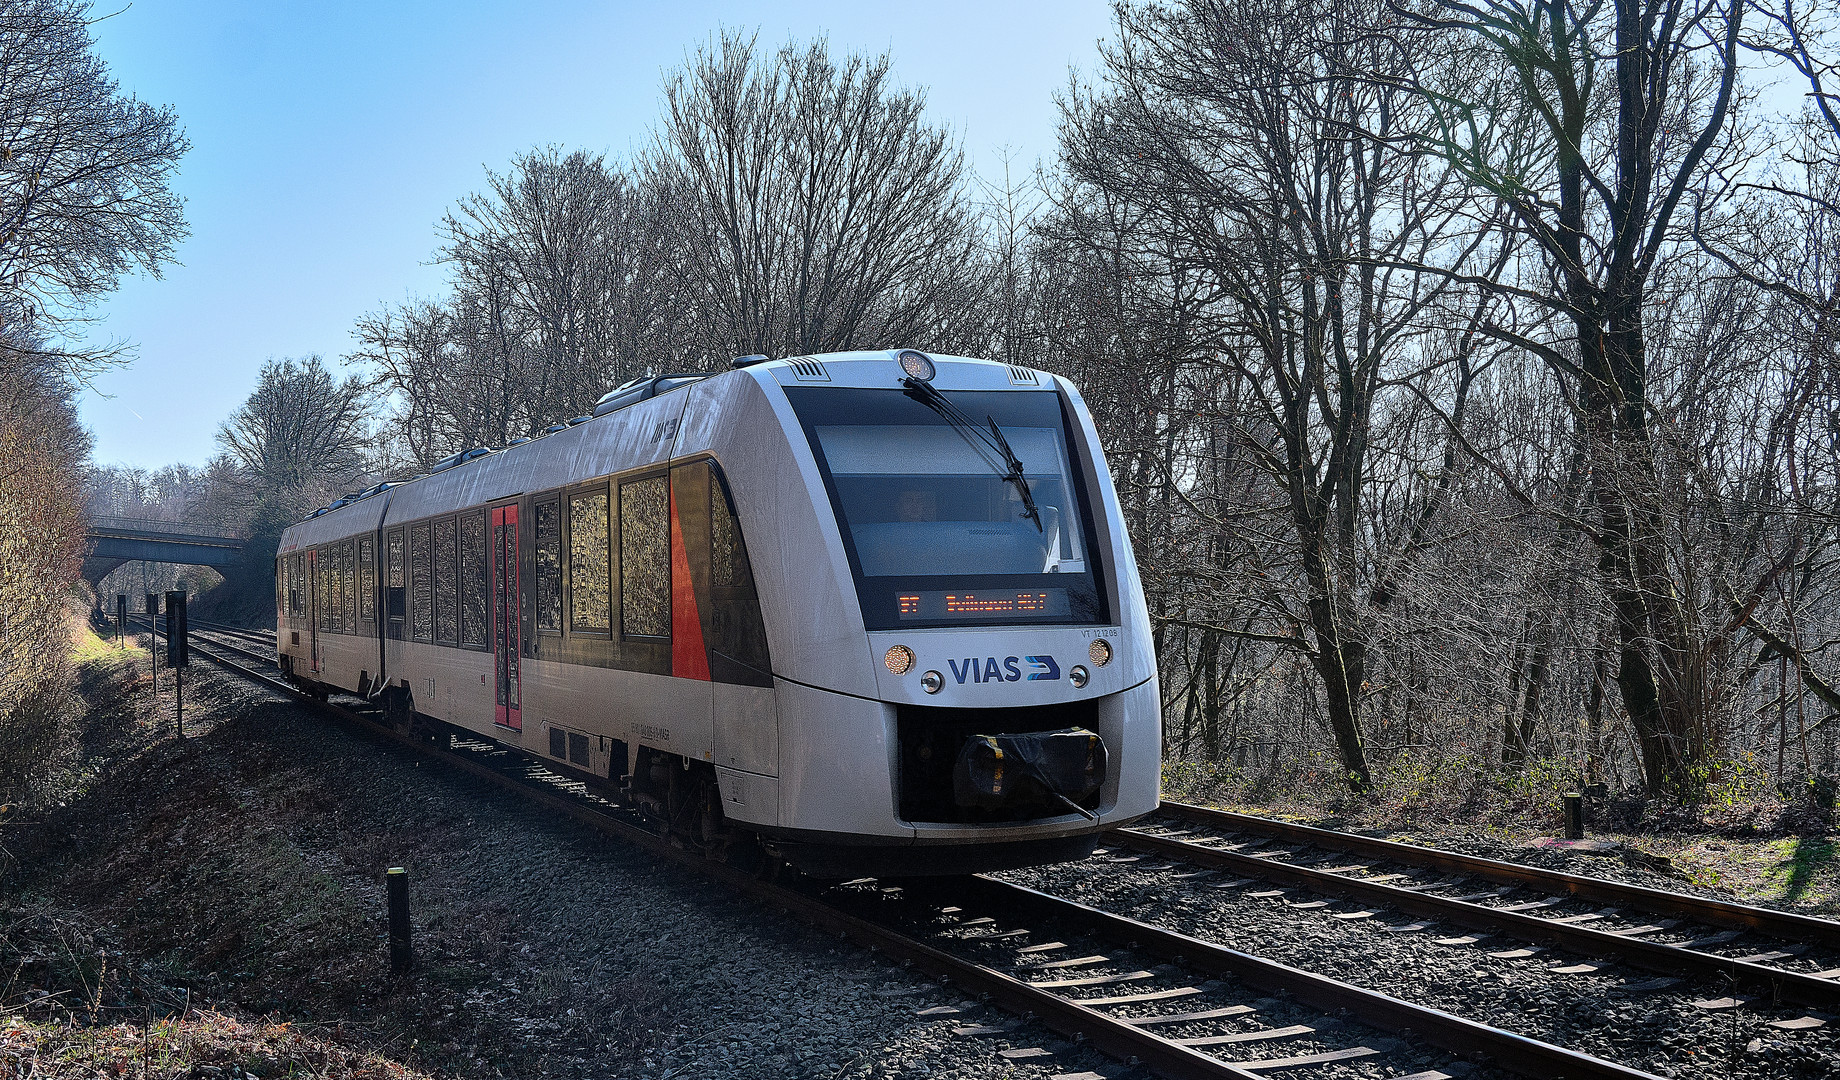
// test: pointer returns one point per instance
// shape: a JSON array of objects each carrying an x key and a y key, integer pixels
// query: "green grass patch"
[{"x": 1804, "y": 869}]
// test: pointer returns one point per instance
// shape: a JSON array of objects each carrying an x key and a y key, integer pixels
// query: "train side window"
[
  {"x": 421, "y": 578},
  {"x": 727, "y": 559},
  {"x": 336, "y": 556},
  {"x": 738, "y": 638},
  {"x": 645, "y": 558},
  {"x": 348, "y": 565},
  {"x": 367, "y": 585},
  {"x": 322, "y": 586},
  {"x": 473, "y": 578},
  {"x": 590, "y": 576},
  {"x": 549, "y": 566},
  {"x": 446, "y": 585},
  {"x": 395, "y": 602}
]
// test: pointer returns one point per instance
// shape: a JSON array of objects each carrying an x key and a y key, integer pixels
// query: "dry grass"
[{"x": 198, "y": 1043}]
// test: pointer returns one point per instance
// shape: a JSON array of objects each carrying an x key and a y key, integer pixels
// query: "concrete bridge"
[{"x": 117, "y": 540}]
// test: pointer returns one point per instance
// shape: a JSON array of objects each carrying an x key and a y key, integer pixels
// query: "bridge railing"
[{"x": 150, "y": 526}]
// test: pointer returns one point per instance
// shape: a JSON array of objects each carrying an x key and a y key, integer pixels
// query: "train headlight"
[
  {"x": 1079, "y": 676},
  {"x": 899, "y": 659},
  {"x": 916, "y": 364},
  {"x": 1101, "y": 652},
  {"x": 932, "y": 681}
]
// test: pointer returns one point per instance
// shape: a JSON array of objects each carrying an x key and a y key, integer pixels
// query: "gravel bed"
[
  {"x": 247, "y": 868},
  {"x": 1102, "y": 956},
  {"x": 1659, "y": 1032}
]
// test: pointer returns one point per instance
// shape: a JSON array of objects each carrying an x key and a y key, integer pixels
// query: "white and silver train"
[{"x": 876, "y": 609}]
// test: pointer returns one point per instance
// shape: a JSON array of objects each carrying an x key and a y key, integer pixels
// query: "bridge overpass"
[{"x": 117, "y": 540}]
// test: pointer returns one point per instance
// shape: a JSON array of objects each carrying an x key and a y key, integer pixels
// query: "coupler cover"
[{"x": 1056, "y": 770}]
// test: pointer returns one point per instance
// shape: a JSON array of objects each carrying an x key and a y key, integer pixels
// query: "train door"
[
  {"x": 506, "y": 618},
  {"x": 313, "y": 610}
]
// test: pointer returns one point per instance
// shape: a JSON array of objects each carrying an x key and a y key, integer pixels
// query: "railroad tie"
[
  {"x": 1187, "y": 1017},
  {"x": 1095, "y": 980},
  {"x": 1266, "y": 1035},
  {"x": 1530, "y": 905},
  {"x": 1026, "y": 1053},
  {"x": 1302, "y": 1060},
  {"x": 1048, "y": 965},
  {"x": 1131, "y": 999},
  {"x": 1046, "y": 946}
]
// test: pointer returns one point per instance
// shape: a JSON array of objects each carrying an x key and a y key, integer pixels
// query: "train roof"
[{"x": 362, "y": 511}]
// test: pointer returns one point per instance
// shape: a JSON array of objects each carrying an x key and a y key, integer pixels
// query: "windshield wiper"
[{"x": 1010, "y": 469}]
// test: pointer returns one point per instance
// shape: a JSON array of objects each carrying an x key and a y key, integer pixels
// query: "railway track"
[
  {"x": 1181, "y": 1006},
  {"x": 1788, "y": 957}
]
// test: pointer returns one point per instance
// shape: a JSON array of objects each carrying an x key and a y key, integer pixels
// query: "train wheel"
[{"x": 398, "y": 709}]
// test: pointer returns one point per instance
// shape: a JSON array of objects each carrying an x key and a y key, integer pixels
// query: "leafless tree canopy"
[
  {"x": 84, "y": 174},
  {"x": 302, "y": 435},
  {"x": 812, "y": 204}
]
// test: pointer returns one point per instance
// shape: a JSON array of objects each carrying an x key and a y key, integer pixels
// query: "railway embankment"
[{"x": 218, "y": 904}]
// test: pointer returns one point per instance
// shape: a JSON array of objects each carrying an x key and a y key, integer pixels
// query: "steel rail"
[
  {"x": 1468, "y": 1038},
  {"x": 1784, "y": 924},
  {"x": 1660, "y": 957},
  {"x": 1114, "y": 1036}
]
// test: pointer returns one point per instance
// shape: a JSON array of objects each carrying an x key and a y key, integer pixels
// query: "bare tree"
[
  {"x": 813, "y": 207},
  {"x": 1259, "y": 156},
  {"x": 1613, "y": 114},
  {"x": 301, "y": 435},
  {"x": 84, "y": 181},
  {"x": 558, "y": 293}
]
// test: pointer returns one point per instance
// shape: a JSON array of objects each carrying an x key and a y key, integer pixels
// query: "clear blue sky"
[{"x": 328, "y": 138}]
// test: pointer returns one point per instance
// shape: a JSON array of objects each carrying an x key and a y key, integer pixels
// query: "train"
[{"x": 870, "y": 612}]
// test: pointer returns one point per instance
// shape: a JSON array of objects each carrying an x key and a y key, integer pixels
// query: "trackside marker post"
[
  {"x": 153, "y": 641},
  {"x": 1574, "y": 815},
  {"x": 401, "y": 956},
  {"x": 177, "y": 654}
]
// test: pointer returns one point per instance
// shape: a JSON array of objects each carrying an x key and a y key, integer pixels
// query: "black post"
[
  {"x": 401, "y": 957},
  {"x": 1574, "y": 815},
  {"x": 121, "y": 619},
  {"x": 153, "y": 640},
  {"x": 177, "y": 653}
]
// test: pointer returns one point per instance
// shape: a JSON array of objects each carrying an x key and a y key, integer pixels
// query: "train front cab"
[{"x": 922, "y": 604}]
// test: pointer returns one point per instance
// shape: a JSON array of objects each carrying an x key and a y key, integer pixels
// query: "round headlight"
[
  {"x": 932, "y": 681},
  {"x": 916, "y": 364},
  {"x": 1079, "y": 676},
  {"x": 899, "y": 659},
  {"x": 1101, "y": 652}
]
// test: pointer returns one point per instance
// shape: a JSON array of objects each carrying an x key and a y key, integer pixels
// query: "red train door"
[
  {"x": 506, "y": 640},
  {"x": 313, "y": 610}
]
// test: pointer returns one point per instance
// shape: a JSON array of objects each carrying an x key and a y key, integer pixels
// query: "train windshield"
[{"x": 957, "y": 508}]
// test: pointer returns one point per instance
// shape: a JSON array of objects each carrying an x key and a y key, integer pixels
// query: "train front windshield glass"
[{"x": 938, "y": 531}]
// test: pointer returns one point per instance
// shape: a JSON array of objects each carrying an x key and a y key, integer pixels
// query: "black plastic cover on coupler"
[{"x": 1058, "y": 771}]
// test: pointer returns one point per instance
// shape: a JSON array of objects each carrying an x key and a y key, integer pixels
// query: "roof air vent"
[
  {"x": 1022, "y": 376},
  {"x": 806, "y": 369}
]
